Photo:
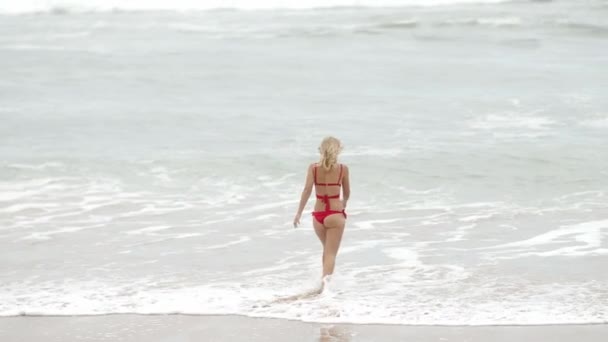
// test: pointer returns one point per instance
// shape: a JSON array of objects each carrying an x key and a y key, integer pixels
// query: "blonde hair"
[{"x": 330, "y": 148}]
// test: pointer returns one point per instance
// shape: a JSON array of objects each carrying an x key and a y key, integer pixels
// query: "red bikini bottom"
[{"x": 321, "y": 215}]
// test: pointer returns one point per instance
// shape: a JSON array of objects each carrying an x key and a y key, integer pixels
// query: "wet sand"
[{"x": 173, "y": 328}]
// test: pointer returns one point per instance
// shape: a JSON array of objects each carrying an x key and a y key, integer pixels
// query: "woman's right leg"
[{"x": 334, "y": 225}]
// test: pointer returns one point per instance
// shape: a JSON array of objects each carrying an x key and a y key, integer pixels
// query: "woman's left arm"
[
  {"x": 305, "y": 196},
  {"x": 345, "y": 186}
]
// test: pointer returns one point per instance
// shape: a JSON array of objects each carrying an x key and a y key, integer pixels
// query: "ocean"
[{"x": 152, "y": 155}]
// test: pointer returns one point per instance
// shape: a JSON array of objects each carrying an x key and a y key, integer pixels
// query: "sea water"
[{"x": 152, "y": 156}]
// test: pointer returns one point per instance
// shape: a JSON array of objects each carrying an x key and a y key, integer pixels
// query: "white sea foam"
[
  {"x": 512, "y": 121},
  {"x": 406, "y": 256},
  {"x": 230, "y": 243},
  {"x": 587, "y": 235},
  {"x": 370, "y": 151},
  {"x": 359, "y": 246},
  {"x": 371, "y": 224},
  {"x": 186, "y": 27},
  {"x": 265, "y": 217},
  {"x": 187, "y": 235},
  {"x": 147, "y": 230},
  {"x": 50, "y": 47},
  {"x": 15, "y": 208},
  {"x": 580, "y": 196},
  {"x": 473, "y": 218},
  {"x": 495, "y": 21},
  {"x": 349, "y": 301},
  {"x": 45, "y": 235},
  {"x": 7, "y": 196},
  {"x": 459, "y": 233},
  {"x": 263, "y": 207},
  {"x": 41, "y": 166},
  {"x": 161, "y": 173}
]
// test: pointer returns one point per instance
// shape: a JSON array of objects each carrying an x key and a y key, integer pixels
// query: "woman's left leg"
[
  {"x": 334, "y": 228},
  {"x": 320, "y": 230}
]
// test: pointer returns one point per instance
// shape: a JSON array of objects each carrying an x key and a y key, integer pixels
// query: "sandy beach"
[{"x": 172, "y": 328}]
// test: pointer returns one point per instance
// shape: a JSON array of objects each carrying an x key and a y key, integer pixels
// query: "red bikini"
[{"x": 321, "y": 215}]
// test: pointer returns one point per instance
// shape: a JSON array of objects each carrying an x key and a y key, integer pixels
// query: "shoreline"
[
  {"x": 188, "y": 327},
  {"x": 300, "y": 321}
]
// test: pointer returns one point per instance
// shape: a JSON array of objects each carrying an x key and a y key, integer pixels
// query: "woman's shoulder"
[{"x": 316, "y": 165}]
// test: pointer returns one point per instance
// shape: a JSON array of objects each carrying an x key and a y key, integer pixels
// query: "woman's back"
[{"x": 328, "y": 182}]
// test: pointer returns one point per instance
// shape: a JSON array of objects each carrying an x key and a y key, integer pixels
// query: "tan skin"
[{"x": 331, "y": 230}]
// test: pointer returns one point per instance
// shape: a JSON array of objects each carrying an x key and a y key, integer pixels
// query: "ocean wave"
[
  {"x": 512, "y": 121},
  {"x": 601, "y": 122},
  {"x": 587, "y": 236},
  {"x": 53, "y": 48},
  {"x": 71, "y": 6},
  {"x": 376, "y": 152},
  {"x": 398, "y": 24},
  {"x": 500, "y": 301},
  {"x": 40, "y": 166},
  {"x": 525, "y": 43},
  {"x": 585, "y": 28},
  {"x": 493, "y": 22}
]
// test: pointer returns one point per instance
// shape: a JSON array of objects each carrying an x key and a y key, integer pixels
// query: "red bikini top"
[
  {"x": 314, "y": 172},
  {"x": 325, "y": 198}
]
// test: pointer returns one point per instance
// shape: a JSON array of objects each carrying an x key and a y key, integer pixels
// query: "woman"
[{"x": 329, "y": 217}]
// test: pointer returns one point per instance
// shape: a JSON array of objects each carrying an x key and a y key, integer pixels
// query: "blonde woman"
[{"x": 329, "y": 217}]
